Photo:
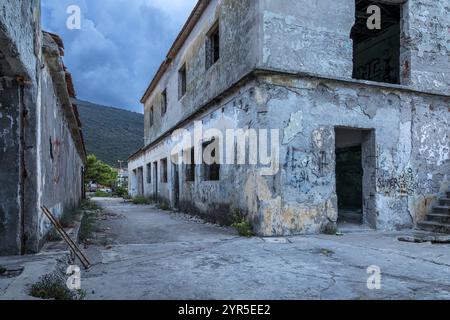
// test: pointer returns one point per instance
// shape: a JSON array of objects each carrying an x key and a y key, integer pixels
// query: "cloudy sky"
[{"x": 119, "y": 47}]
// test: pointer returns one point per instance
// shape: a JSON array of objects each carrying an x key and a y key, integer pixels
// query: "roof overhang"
[{"x": 177, "y": 45}]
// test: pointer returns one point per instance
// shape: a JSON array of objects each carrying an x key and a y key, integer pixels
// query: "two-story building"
[{"x": 356, "y": 97}]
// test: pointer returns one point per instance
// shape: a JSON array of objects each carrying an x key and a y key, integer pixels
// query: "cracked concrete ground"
[{"x": 154, "y": 254}]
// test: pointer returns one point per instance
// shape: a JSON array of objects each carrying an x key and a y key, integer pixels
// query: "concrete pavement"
[{"x": 145, "y": 253}]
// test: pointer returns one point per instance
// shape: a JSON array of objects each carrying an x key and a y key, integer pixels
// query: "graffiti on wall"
[
  {"x": 305, "y": 167},
  {"x": 404, "y": 184}
]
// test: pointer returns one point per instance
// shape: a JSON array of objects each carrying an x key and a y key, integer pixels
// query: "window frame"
[
  {"x": 149, "y": 173},
  {"x": 164, "y": 170},
  {"x": 212, "y": 46},
  {"x": 190, "y": 167},
  {"x": 163, "y": 102},
  {"x": 209, "y": 169},
  {"x": 182, "y": 81},
  {"x": 151, "y": 117}
]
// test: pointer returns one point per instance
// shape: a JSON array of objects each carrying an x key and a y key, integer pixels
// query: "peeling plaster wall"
[
  {"x": 20, "y": 52},
  {"x": 239, "y": 49},
  {"x": 216, "y": 201},
  {"x": 30, "y": 112},
  {"x": 412, "y": 150},
  {"x": 60, "y": 183},
  {"x": 308, "y": 36},
  {"x": 408, "y": 163},
  {"x": 9, "y": 167},
  {"x": 19, "y": 36},
  {"x": 426, "y": 45},
  {"x": 406, "y": 152}
]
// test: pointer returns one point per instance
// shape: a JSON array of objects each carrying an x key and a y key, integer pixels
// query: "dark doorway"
[
  {"x": 376, "y": 52},
  {"x": 140, "y": 181},
  {"x": 176, "y": 186},
  {"x": 349, "y": 173},
  {"x": 155, "y": 180},
  {"x": 355, "y": 174}
]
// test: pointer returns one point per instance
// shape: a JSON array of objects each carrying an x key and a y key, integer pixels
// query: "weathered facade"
[
  {"x": 41, "y": 145},
  {"x": 358, "y": 112}
]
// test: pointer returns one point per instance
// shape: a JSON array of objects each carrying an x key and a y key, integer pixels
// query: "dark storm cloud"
[{"x": 119, "y": 47}]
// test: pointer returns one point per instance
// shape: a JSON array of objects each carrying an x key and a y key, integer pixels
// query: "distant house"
[{"x": 122, "y": 178}]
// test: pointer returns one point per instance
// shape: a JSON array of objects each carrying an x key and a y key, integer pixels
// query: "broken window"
[
  {"x": 182, "y": 81},
  {"x": 190, "y": 165},
  {"x": 376, "y": 42},
  {"x": 151, "y": 117},
  {"x": 164, "y": 170},
  {"x": 213, "y": 46},
  {"x": 211, "y": 169},
  {"x": 149, "y": 173},
  {"x": 164, "y": 102}
]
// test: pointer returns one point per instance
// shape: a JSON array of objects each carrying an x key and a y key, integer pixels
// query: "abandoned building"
[
  {"x": 42, "y": 152},
  {"x": 362, "y": 114}
]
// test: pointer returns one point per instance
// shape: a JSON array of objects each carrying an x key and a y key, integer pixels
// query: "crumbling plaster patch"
[{"x": 294, "y": 128}]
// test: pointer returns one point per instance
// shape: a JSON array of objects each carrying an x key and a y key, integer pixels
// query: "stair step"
[
  {"x": 441, "y": 209},
  {"x": 434, "y": 227},
  {"x": 439, "y": 217},
  {"x": 448, "y": 193},
  {"x": 444, "y": 201}
]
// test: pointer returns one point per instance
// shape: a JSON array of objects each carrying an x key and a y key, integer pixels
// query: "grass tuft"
[{"x": 53, "y": 287}]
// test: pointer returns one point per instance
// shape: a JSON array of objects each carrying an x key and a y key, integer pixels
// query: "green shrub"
[
  {"x": 68, "y": 217},
  {"x": 102, "y": 194},
  {"x": 89, "y": 205},
  {"x": 53, "y": 235},
  {"x": 164, "y": 206},
  {"x": 87, "y": 227},
  {"x": 330, "y": 229},
  {"x": 141, "y": 200},
  {"x": 126, "y": 197},
  {"x": 121, "y": 192},
  {"x": 53, "y": 287},
  {"x": 244, "y": 228}
]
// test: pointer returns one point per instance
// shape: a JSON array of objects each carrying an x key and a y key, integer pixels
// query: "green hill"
[{"x": 111, "y": 134}]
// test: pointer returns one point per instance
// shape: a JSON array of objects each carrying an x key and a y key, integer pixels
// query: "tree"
[{"x": 99, "y": 172}]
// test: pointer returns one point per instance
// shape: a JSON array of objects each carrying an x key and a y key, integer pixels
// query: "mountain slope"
[{"x": 111, "y": 134}]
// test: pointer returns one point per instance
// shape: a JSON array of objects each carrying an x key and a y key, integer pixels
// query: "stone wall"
[
  {"x": 20, "y": 51},
  {"x": 308, "y": 36},
  {"x": 34, "y": 106},
  {"x": 426, "y": 45}
]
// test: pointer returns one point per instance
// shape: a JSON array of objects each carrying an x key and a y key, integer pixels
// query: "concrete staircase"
[{"x": 439, "y": 219}]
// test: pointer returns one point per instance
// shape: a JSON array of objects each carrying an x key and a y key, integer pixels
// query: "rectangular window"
[
  {"x": 182, "y": 81},
  {"x": 376, "y": 47},
  {"x": 190, "y": 165},
  {"x": 149, "y": 173},
  {"x": 151, "y": 117},
  {"x": 211, "y": 172},
  {"x": 164, "y": 170},
  {"x": 213, "y": 46},
  {"x": 164, "y": 102},
  {"x": 155, "y": 172}
]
